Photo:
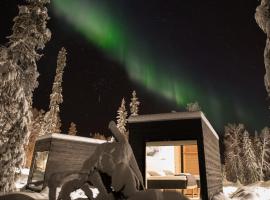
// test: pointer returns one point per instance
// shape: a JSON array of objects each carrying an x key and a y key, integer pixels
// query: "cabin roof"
[
  {"x": 70, "y": 137},
  {"x": 172, "y": 117}
]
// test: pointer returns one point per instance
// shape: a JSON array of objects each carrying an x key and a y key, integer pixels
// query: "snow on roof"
[
  {"x": 172, "y": 116},
  {"x": 71, "y": 137}
]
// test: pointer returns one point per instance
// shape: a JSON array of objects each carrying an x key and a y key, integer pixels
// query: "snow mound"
[
  {"x": 79, "y": 194},
  {"x": 252, "y": 193},
  {"x": 256, "y": 191},
  {"x": 247, "y": 193},
  {"x": 21, "y": 182}
]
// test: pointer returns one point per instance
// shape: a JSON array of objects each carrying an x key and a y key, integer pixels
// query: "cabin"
[
  {"x": 178, "y": 151},
  {"x": 57, "y": 153}
]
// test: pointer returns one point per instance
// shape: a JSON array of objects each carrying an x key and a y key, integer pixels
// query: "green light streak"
[
  {"x": 108, "y": 34},
  {"x": 92, "y": 22}
]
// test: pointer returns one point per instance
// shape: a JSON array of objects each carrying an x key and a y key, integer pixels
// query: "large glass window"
[{"x": 173, "y": 165}]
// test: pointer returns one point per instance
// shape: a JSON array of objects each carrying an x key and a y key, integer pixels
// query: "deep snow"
[{"x": 256, "y": 191}]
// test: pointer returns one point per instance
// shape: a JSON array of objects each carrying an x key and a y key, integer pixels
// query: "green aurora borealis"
[
  {"x": 111, "y": 35},
  {"x": 107, "y": 34}
]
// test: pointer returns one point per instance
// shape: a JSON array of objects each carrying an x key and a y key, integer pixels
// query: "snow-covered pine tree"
[
  {"x": 262, "y": 17},
  {"x": 52, "y": 122},
  {"x": 233, "y": 150},
  {"x": 249, "y": 160},
  {"x": 98, "y": 136},
  {"x": 18, "y": 79},
  {"x": 122, "y": 117},
  {"x": 257, "y": 144},
  {"x": 134, "y": 104},
  {"x": 265, "y": 153},
  {"x": 35, "y": 130},
  {"x": 72, "y": 129},
  {"x": 193, "y": 107}
]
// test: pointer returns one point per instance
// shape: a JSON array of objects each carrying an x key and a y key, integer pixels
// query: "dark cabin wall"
[
  {"x": 212, "y": 161},
  {"x": 176, "y": 129},
  {"x": 64, "y": 154},
  {"x": 172, "y": 130}
]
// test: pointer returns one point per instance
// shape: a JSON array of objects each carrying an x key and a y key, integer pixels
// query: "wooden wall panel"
[
  {"x": 191, "y": 162},
  {"x": 212, "y": 162},
  {"x": 177, "y": 159},
  {"x": 67, "y": 155}
]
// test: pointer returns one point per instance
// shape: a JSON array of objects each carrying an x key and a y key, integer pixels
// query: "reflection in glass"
[
  {"x": 38, "y": 172},
  {"x": 173, "y": 165}
]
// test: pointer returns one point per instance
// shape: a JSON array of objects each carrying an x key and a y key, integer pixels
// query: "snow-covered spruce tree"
[
  {"x": 18, "y": 79},
  {"x": 98, "y": 136},
  {"x": 35, "y": 130},
  {"x": 233, "y": 152},
  {"x": 264, "y": 162},
  {"x": 72, "y": 129},
  {"x": 262, "y": 17},
  {"x": 257, "y": 146},
  {"x": 52, "y": 122},
  {"x": 134, "y": 104},
  {"x": 193, "y": 107},
  {"x": 122, "y": 117},
  {"x": 249, "y": 160}
]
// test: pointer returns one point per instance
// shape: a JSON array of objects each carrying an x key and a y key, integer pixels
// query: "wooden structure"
[
  {"x": 190, "y": 160},
  {"x": 186, "y": 159},
  {"x": 56, "y": 153},
  {"x": 184, "y": 126}
]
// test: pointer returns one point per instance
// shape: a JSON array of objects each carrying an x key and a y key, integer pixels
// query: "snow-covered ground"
[
  {"x": 21, "y": 182},
  {"x": 256, "y": 191}
]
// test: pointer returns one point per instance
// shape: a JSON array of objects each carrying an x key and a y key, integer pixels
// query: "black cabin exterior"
[
  {"x": 62, "y": 153},
  {"x": 180, "y": 126}
]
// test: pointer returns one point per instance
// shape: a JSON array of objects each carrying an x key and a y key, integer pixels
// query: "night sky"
[{"x": 171, "y": 52}]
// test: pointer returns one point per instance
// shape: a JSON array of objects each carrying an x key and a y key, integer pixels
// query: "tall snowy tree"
[
  {"x": 52, "y": 122},
  {"x": 134, "y": 104},
  {"x": 262, "y": 17},
  {"x": 122, "y": 117},
  {"x": 233, "y": 149},
  {"x": 18, "y": 79},
  {"x": 193, "y": 107},
  {"x": 249, "y": 160},
  {"x": 72, "y": 129},
  {"x": 257, "y": 144},
  {"x": 265, "y": 153}
]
